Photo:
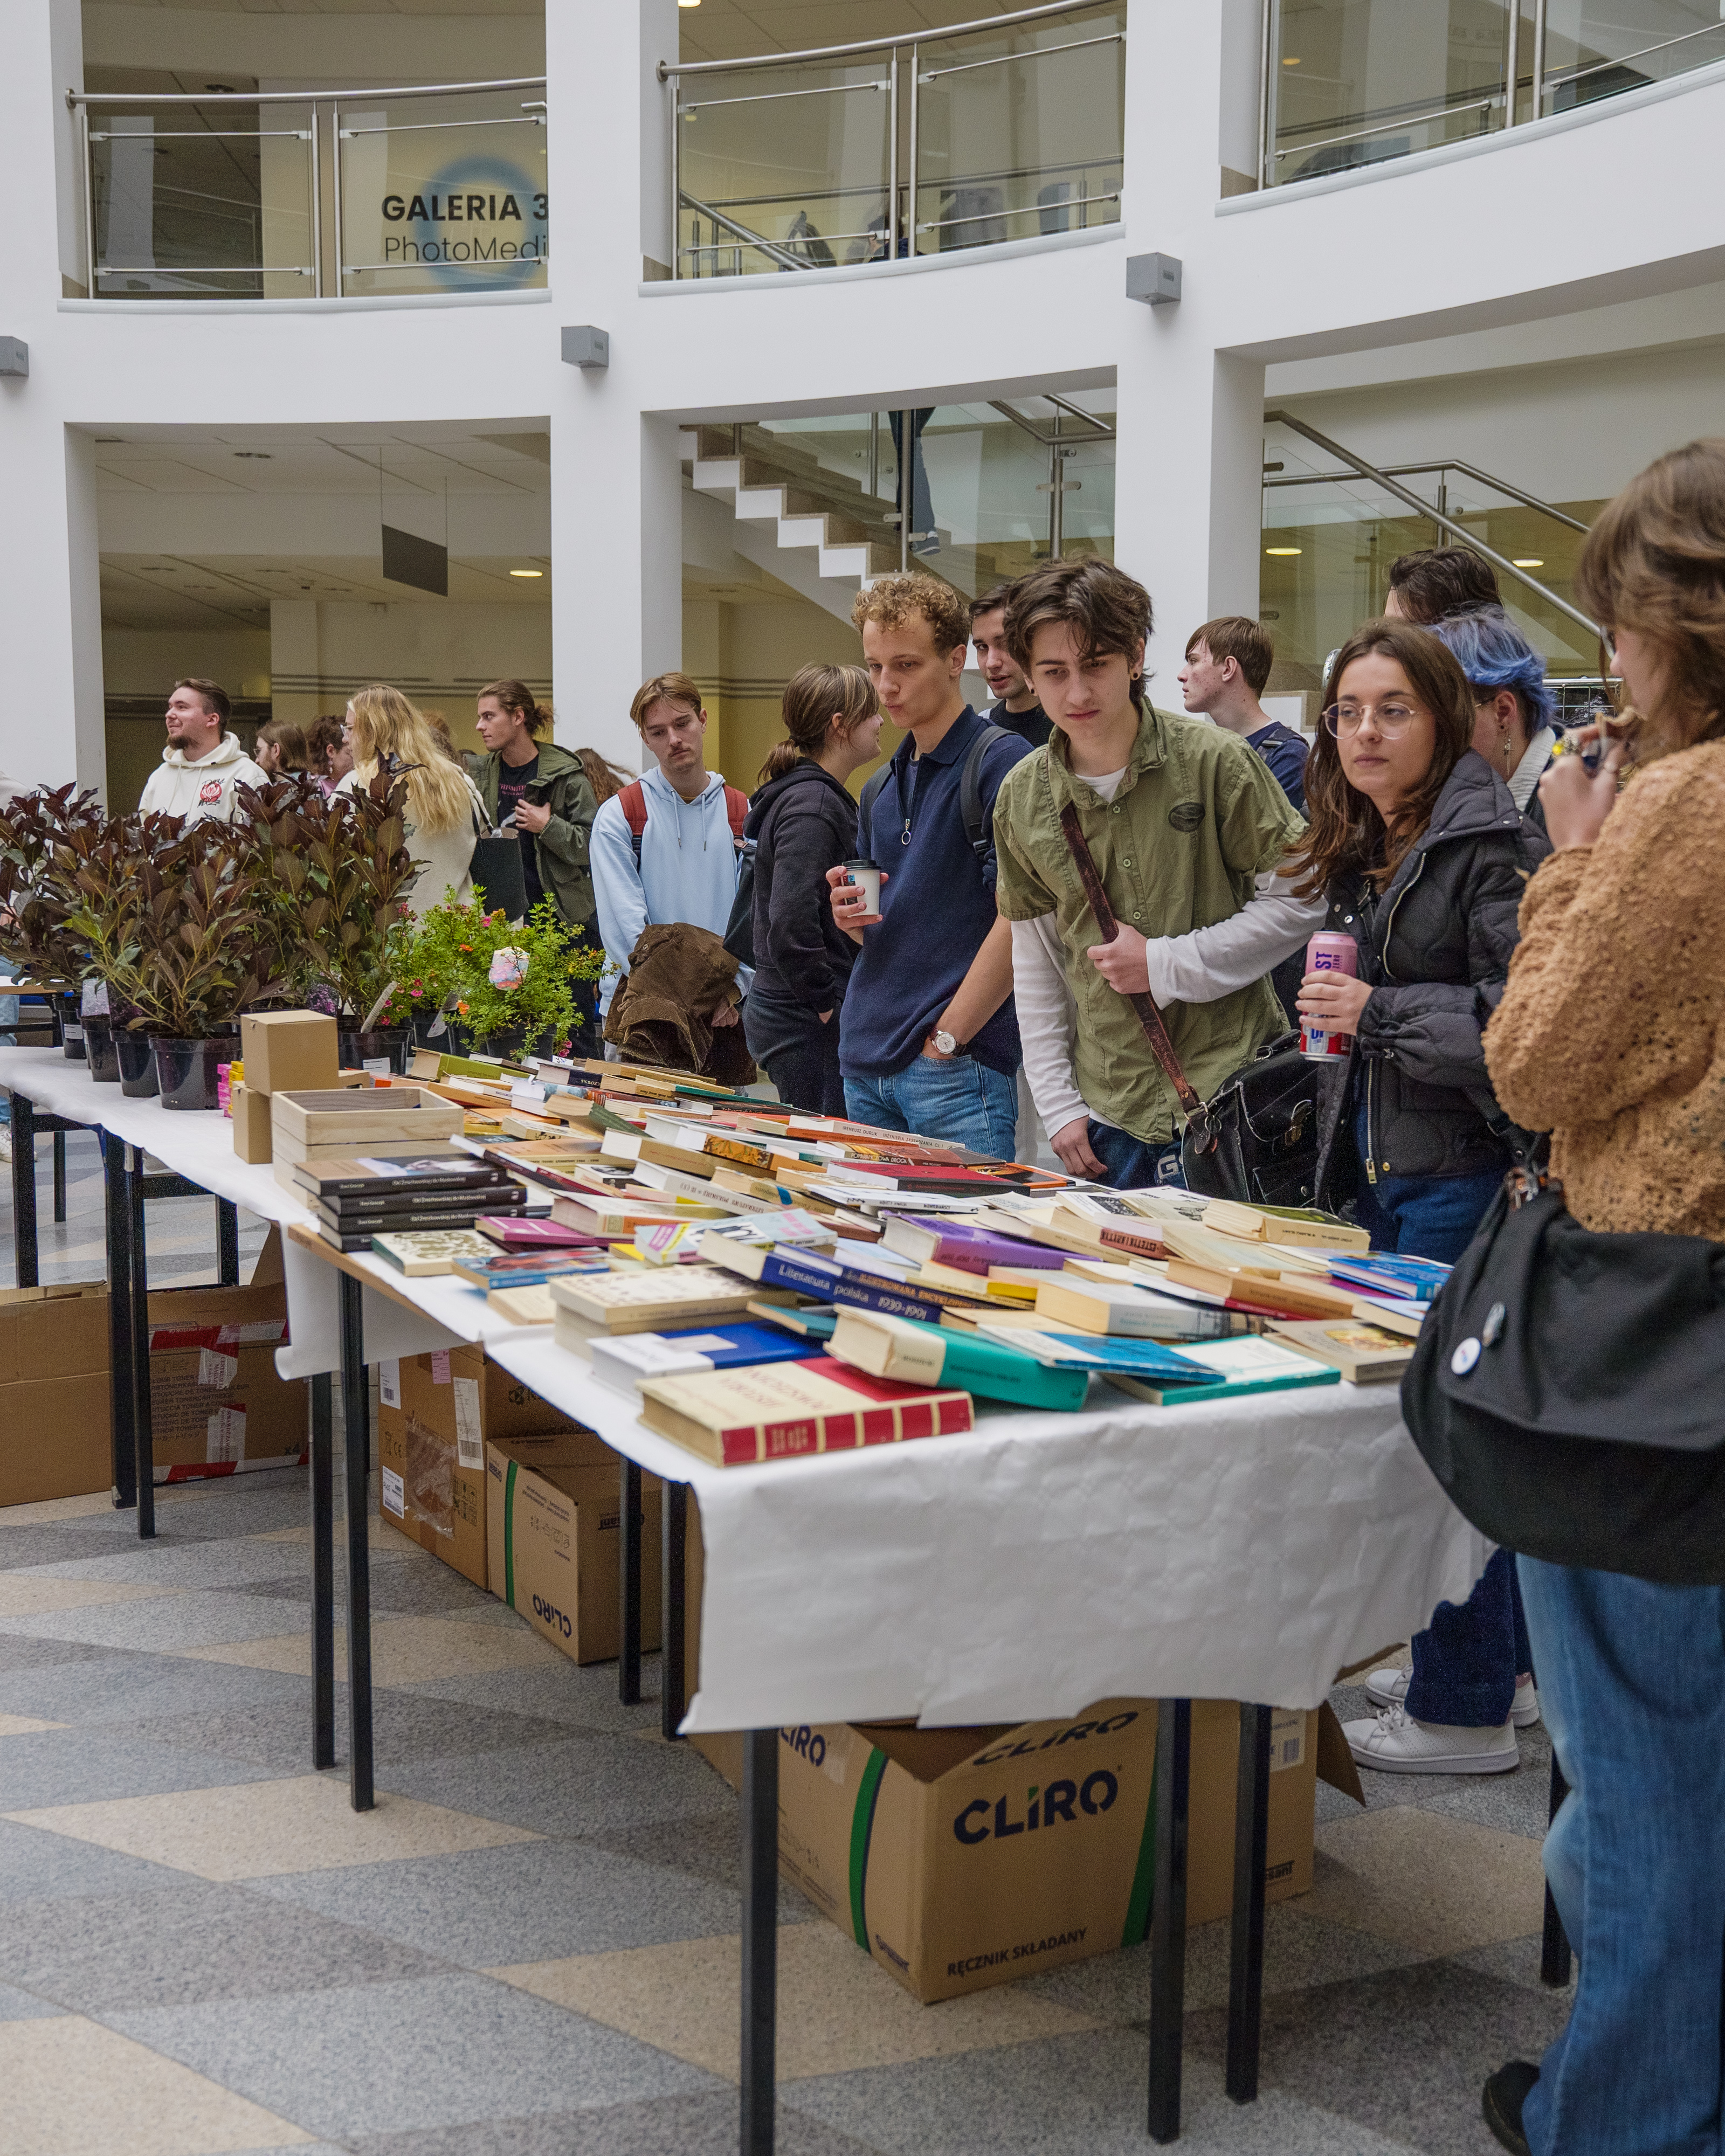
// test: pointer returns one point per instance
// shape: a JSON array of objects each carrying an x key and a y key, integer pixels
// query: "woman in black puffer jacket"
[
  {"x": 1424, "y": 857},
  {"x": 802, "y": 822}
]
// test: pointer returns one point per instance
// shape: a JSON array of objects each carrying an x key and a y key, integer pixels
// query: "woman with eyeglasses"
[{"x": 1423, "y": 855}]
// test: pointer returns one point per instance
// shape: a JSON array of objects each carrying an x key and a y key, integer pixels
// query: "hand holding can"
[{"x": 1328, "y": 952}]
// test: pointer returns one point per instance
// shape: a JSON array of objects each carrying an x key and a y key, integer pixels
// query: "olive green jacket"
[
  {"x": 1198, "y": 818},
  {"x": 562, "y": 847}
]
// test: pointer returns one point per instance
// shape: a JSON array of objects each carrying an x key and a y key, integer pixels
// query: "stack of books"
[{"x": 354, "y": 1200}]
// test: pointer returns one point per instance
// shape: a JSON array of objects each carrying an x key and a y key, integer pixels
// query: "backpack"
[
  {"x": 633, "y": 800},
  {"x": 970, "y": 794}
]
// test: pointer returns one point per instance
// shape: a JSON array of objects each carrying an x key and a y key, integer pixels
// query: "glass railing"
[
  {"x": 267, "y": 195},
  {"x": 1358, "y": 82},
  {"x": 1330, "y": 536},
  {"x": 956, "y": 138}
]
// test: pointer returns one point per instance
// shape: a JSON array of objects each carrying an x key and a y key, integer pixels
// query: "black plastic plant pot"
[
  {"x": 186, "y": 1071},
  {"x": 385, "y": 1044},
  {"x": 99, "y": 1043},
  {"x": 135, "y": 1053},
  {"x": 72, "y": 1025}
]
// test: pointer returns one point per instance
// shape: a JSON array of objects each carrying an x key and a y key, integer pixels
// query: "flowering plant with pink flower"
[
  {"x": 497, "y": 978},
  {"x": 509, "y": 966}
]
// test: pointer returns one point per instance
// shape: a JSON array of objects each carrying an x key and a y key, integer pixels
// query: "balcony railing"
[
  {"x": 1350, "y": 83},
  {"x": 282, "y": 194},
  {"x": 960, "y": 138}
]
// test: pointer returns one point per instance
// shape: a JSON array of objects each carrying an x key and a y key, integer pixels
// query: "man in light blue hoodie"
[{"x": 665, "y": 849}]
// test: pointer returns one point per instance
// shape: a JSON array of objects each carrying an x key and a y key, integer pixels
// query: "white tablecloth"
[{"x": 1242, "y": 1549}]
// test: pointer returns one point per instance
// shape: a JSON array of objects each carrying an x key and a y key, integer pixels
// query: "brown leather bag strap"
[{"x": 1198, "y": 1121}]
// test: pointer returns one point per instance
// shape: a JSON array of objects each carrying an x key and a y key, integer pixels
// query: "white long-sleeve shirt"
[{"x": 1197, "y": 968}]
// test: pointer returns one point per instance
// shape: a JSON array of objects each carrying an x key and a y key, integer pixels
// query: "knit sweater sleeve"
[{"x": 1614, "y": 991}]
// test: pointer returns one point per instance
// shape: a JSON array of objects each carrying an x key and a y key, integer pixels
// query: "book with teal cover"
[
  {"x": 916, "y": 1353},
  {"x": 1234, "y": 1368}
]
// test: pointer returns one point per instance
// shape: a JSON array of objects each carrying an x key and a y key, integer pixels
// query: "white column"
[
  {"x": 83, "y": 612},
  {"x": 1189, "y": 456},
  {"x": 616, "y": 485}
]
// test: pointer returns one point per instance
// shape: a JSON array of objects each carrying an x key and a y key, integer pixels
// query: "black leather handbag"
[
  {"x": 497, "y": 874},
  {"x": 1568, "y": 1390}
]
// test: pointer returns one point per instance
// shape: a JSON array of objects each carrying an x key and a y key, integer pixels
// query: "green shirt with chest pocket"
[{"x": 1197, "y": 818}]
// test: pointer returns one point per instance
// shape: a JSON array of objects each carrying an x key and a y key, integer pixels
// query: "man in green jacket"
[
  {"x": 1187, "y": 829},
  {"x": 539, "y": 791}
]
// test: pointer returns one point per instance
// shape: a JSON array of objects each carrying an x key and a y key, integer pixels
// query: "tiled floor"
[{"x": 531, "y": 1946}]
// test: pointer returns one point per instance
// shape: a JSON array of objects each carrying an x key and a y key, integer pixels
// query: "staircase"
[{"x": 768, "y": 481}]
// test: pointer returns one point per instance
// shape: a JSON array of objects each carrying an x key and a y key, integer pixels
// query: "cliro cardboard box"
[
  {"x": 217, "y": 1405},
  {"x": 288, "y": 1051},
  {"x": 56, "y": 1423},
  {"x": 962, "y": 1858},
  {"x": 435, "y": 1413},
  {"x": 553, "y": 1515}
]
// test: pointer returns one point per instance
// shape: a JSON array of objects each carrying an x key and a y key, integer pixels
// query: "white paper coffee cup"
[{"x": 865, "y": 875}]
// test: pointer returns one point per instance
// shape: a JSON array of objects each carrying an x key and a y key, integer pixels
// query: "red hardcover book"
[{"x": 739, "y": 1417}]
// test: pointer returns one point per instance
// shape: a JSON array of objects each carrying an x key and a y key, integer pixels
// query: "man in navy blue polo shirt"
[{"x": 928, "y": 1040}]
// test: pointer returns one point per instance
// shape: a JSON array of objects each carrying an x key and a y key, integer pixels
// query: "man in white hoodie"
[
  {"x": 665, "y": 849},
  {"x": 202, "y": 762}
]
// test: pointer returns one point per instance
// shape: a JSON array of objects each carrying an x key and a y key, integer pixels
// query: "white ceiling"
[{"x": 419, "y": 477}]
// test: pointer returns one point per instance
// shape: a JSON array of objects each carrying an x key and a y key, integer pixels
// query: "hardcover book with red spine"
[{"x": 739, "y": 1417}]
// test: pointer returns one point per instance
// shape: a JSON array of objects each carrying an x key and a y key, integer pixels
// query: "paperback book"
[
  {"x": 790, "y": 1410},
  {"x": 1233, "y": 1368}
]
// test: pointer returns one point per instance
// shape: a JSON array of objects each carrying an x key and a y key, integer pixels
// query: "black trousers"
[{"x": 797, "y": 1053}]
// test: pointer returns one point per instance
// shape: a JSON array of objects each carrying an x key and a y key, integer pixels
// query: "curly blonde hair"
[{"x": 889, "y": 601}]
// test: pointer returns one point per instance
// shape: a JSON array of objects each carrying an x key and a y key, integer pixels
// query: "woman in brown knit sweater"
[{"x": 1610, "y": 1036}]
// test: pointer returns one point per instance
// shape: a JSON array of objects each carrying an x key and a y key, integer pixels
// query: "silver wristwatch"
[{"x": 945, "y": 1045}]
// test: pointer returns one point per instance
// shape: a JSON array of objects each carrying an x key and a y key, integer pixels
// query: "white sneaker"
[
  {"x": 1389, "y": 1687},
  {"x": 1394, "y": 1743}
]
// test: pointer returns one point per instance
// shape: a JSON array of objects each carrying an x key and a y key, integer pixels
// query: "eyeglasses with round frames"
[{"x": 1392, "y": 720}]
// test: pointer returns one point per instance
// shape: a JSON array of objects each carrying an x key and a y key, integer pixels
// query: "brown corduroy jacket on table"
[{"x": 1611, "y": 1032}]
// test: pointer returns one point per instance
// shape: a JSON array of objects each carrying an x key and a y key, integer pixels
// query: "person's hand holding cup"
[{"x": 857, "y": 895}]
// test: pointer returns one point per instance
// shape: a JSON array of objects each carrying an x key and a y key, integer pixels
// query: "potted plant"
[
  {"x": 504, "y": 987},
  {"x": 102, "y": 863},
  {"x": 200, "y": 958},
  {"x": 38, "y": 832},
  {"x": 328, "y": 876}
]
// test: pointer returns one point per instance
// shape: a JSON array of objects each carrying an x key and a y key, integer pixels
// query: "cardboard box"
[
  {"x": 55, "y": 1420},
  {"x": 553, "y": 1516},
  {"x": 217, "y": 1406},
  {"x": 288, "y": 1051},
  {"x": 435, "y": 1414},
  {"x": 962, "y": 1858},
  {"x": 251, "y": 1122}
]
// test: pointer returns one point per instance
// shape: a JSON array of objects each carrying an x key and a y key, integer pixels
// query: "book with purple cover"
[
  {"x": 514, "y": 1233},
  {"x": 963, "y": 1244}
]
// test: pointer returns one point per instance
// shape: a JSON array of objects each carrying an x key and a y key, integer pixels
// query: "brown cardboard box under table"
[
  {"x": 217, "y": 1405},
  {"x": 56, "y": 1415},
  {"x": 553, "y": 1507}
]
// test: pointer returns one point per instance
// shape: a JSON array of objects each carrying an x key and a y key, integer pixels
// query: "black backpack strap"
[{"x": 970, "y": 792}]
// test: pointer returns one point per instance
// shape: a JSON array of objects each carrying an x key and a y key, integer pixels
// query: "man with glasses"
[{"x": 1187, "y": 829}]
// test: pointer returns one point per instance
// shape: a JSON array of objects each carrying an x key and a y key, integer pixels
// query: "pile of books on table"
[
  {"x": 401, "y": 1203},
  {"x": 770, "y": 1284}
]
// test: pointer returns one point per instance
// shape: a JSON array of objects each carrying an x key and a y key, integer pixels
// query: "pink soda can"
[{"x": 1328, "y": 953}]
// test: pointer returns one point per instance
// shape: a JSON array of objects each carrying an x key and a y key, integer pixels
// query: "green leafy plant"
[
  {"x": 327, "y": 878},
  {"x": 44, "y": 838},
  {"x": 492, "y": 979},
  {"x": 201, "y": 950}
]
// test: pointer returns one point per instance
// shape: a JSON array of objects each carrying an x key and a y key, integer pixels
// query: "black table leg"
[
  {"x": 629, "y": 1584},
  {"x": 1168, "y": 1923},
  {"x": 1554, "y": 1957},
  {"x": 323, "y": 1573},
  {"x": 142, "y": 1432},
  {"x": 59, "y": 1175},
  {"x": 23, "y": 1189},
  {"x": 760, "y": 1938},
  {"x": 227, "y": 1242},
  {"x": 1245, "y": 1961},
  {"x": 120, "y": 1385},
  {"x": 356, "y": 1420},
  {"x": 673, "y": 1676}
]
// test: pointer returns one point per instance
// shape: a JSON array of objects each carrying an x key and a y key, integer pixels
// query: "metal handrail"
[
  {"x": 774, "y": 96},
  {"x": 769, "y": 248},
  {"x": 1023, "y": 209},
  {"x": 669, "y": 70},
  {"x": 1387, "y": 127},
  {"x": 1361, "y": 470},
  {"x": 1035, "y": 53},
  {"x": 1445, "y": 465},
  {"x": 74, "y": 98},
  {"x": 1623, "y": 59}
]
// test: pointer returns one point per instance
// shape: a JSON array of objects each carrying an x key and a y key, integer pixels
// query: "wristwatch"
[{"x": 944, "y": 1043}]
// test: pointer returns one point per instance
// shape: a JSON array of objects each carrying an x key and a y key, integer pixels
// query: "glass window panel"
[{"x": 1594, "y": 50}]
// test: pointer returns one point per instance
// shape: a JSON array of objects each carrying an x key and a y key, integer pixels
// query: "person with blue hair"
[{"x": 1514, "y": 706}]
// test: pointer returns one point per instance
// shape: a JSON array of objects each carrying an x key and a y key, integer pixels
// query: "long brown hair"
[
  {"x": 517, "y": 698},
  {"x": 1345, "y": 832},
  {"x": 1654, "y": 563},
  {"x": 604, "y": 776},
  {"x": 813, "y": 696},
  {"x": 289, "y": 738}
]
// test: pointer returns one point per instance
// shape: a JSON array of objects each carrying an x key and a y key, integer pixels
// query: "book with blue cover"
[
  {"x": 624, "y": 1361},
  {"x": 1231, "y": 1367},
  {"x": 1418, "y": 1279}
]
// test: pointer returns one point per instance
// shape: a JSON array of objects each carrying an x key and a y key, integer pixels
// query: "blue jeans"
[
  {"x": 956, "y": 1097},
  {"x": 1425, "y": 1216},
  {"x": 1632, "y": 1683},
  {"x": 1132, "y": 1163}
]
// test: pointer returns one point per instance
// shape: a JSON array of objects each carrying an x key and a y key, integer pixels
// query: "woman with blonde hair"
[
  {"x": 1611, "y": 1035},
  {"x": 444, "y": 812},
  {"x": 802, "y": 822}
]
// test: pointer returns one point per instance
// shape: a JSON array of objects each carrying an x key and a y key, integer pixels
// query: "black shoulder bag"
[{"x": 1568, "y": 1390}]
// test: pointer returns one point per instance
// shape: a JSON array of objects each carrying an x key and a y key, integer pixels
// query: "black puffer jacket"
[
  {"x": 1436, "y": 947},
  {"x": 803, "y": 824}
]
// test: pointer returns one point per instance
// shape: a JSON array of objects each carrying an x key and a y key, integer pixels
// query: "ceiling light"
[
  {"x": 540, "y": 573},
  {"x": 1530, "y": 561},
  {"x": 1280, "y": 550},
  {"x": 1294, "y": 63},
  {"x": 688, "y": 3}
]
